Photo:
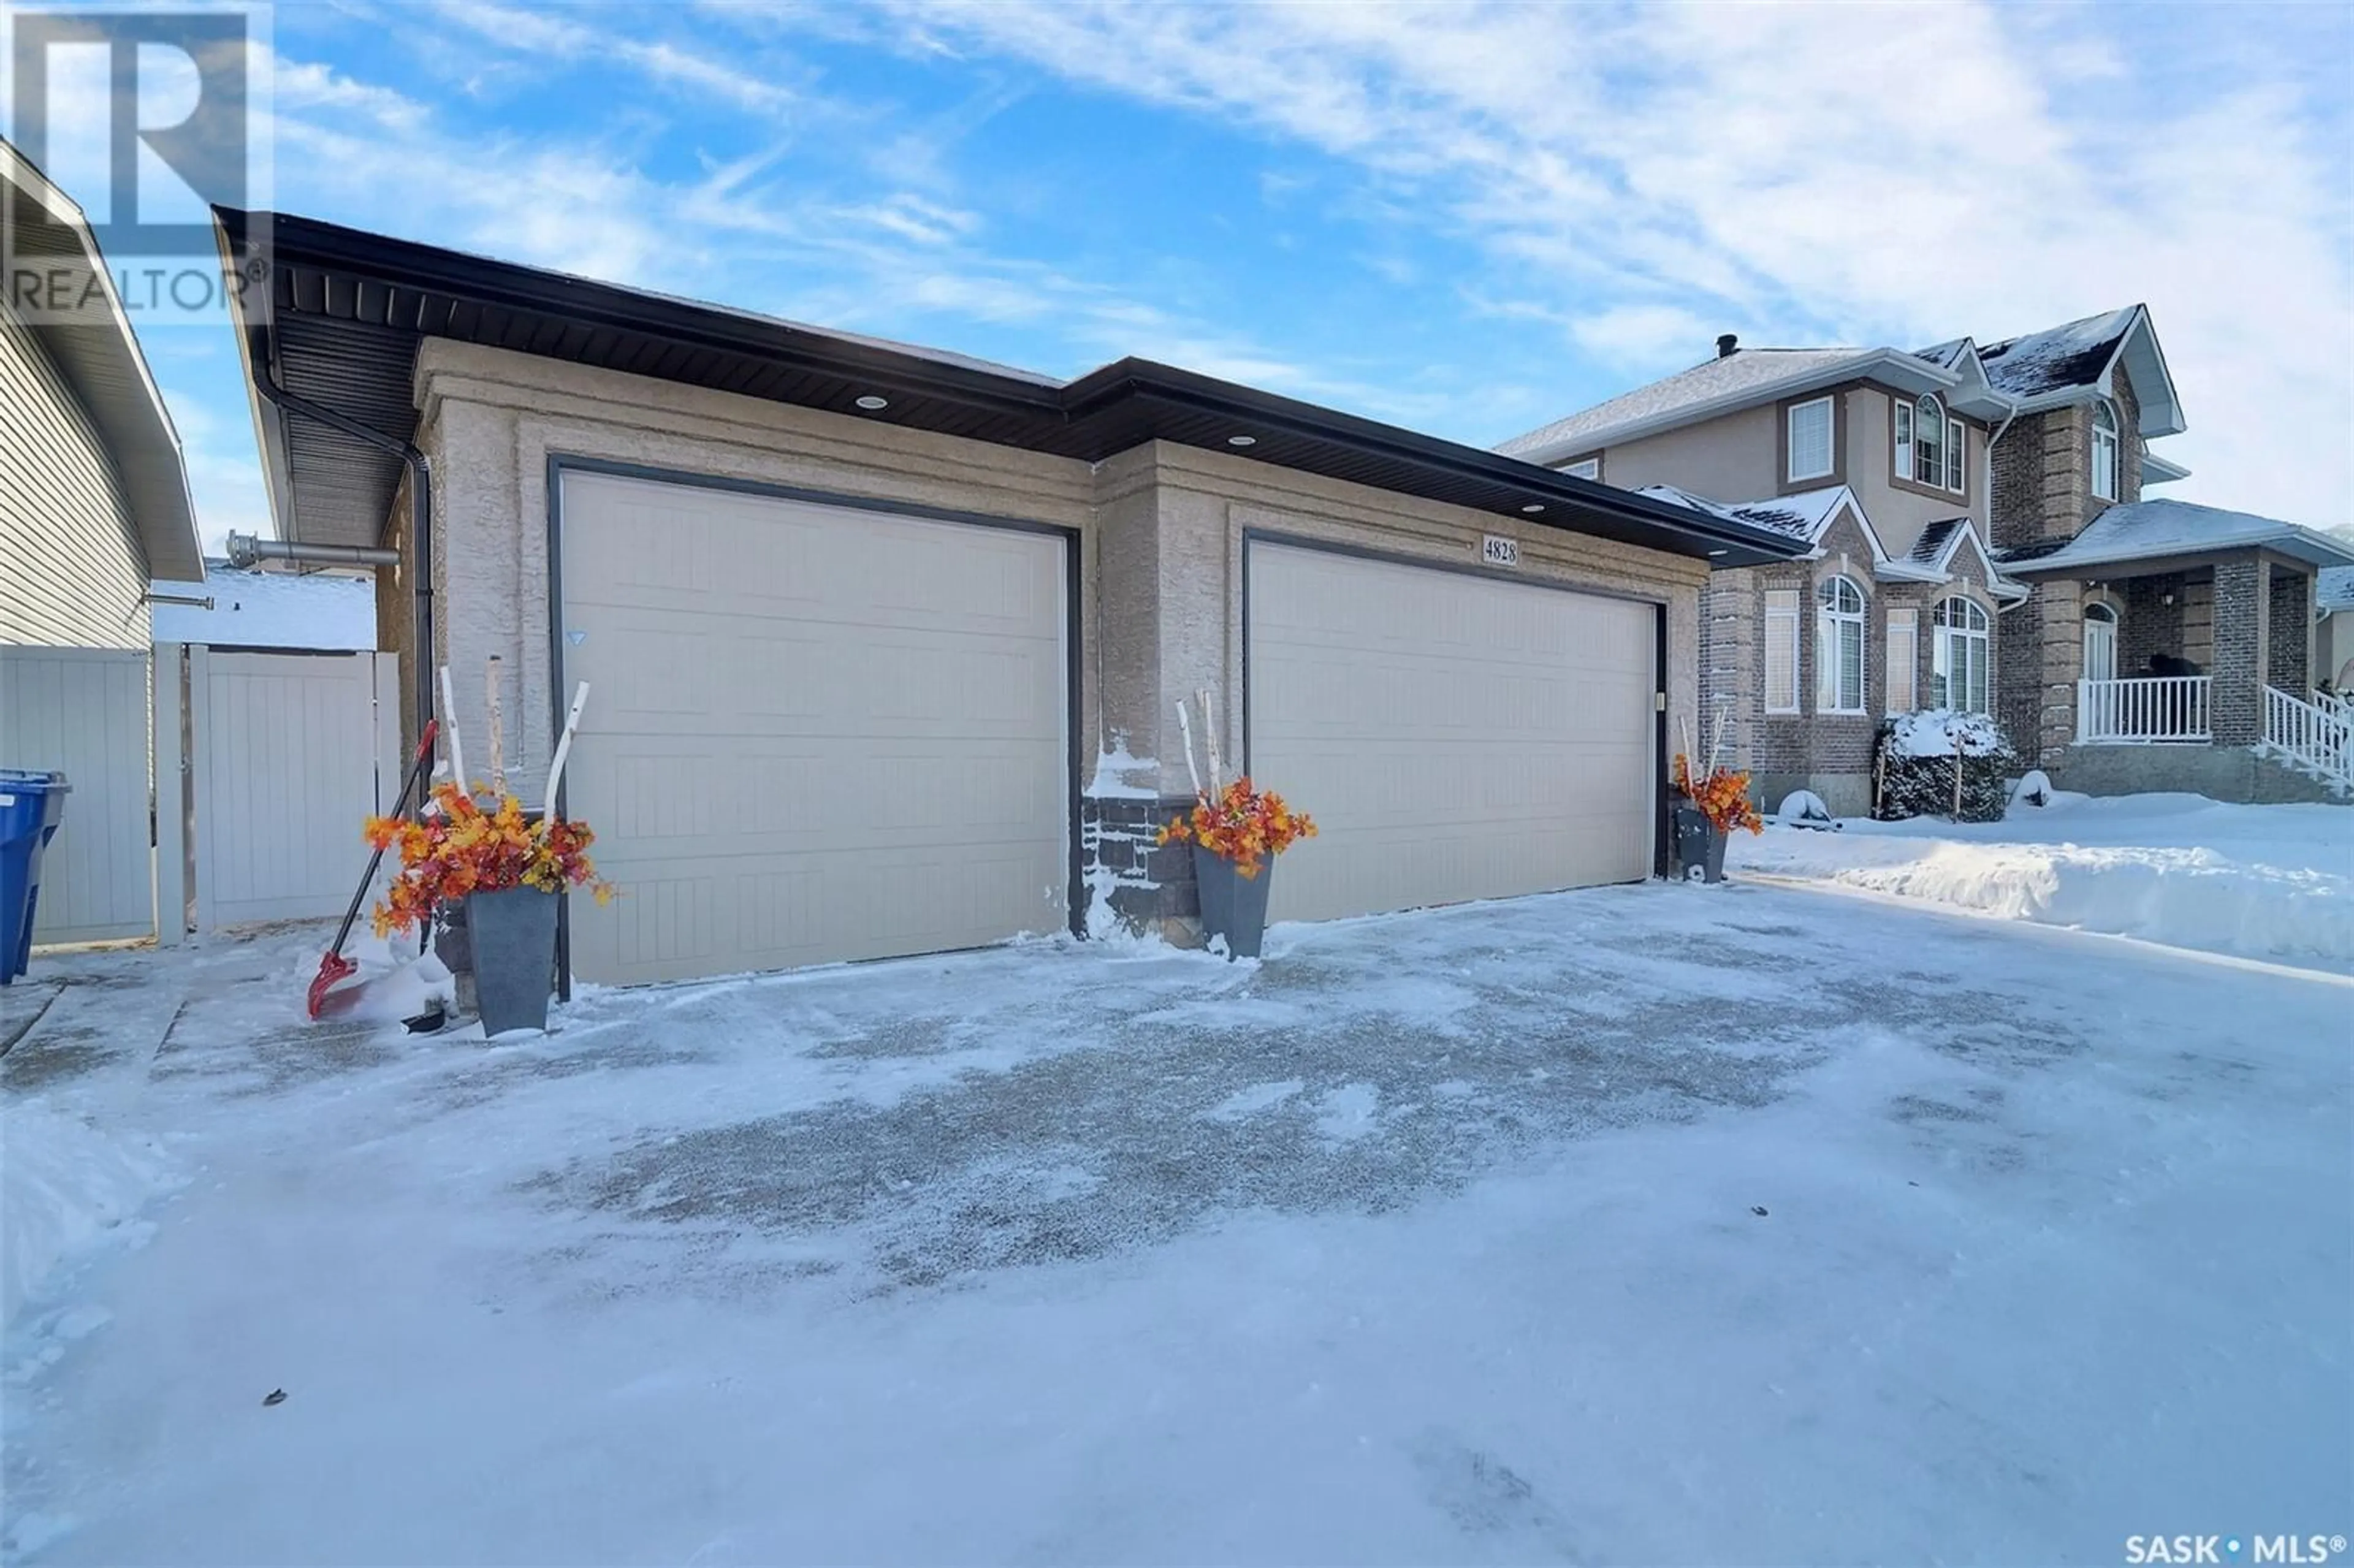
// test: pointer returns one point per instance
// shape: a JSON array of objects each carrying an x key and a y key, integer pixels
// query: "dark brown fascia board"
[
  {"x": 417, "y": 267},
  {"x": 401, "y": 264},
  {"x": 1262, "y": 411}
]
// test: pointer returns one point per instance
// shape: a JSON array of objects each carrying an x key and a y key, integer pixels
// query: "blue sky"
[{"x": 1466, "y": 220}]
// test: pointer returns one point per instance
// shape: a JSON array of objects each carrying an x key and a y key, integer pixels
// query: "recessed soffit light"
[
  {"x": 874, "y": 404},
  {"x": 1534, "y": 507},
  {"x": 1716, "y": 552},
  {"x": 1242, "y": 440}
]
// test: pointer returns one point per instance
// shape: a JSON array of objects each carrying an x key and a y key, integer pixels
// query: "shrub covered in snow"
[{"x": 1919, "y": 753}]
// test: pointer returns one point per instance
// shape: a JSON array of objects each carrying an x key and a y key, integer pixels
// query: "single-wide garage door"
[
  {"x": 1455, "y": 737},
  {"x": 814, "y": 733}
]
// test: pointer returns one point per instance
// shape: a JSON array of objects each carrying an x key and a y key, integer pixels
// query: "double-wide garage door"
[
  {"x": 1455, "y": 737},
  {"x": 815, "y": 733}
]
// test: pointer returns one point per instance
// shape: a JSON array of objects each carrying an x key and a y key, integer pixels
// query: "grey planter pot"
[
  {"x": 1700, "y": 848},
  {"x": 1233, "y": 905},
  {"x": 513, "y": 932}
]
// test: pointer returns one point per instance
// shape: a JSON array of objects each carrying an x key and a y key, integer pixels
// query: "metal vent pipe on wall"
[{"x": 248, "y": 549}]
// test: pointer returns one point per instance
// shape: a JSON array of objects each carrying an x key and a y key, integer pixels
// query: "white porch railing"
[
  {"x": 2309, "y": 735},
  {"x": 2139, "y": 711},
  {"x": 2329, "y": 702}
]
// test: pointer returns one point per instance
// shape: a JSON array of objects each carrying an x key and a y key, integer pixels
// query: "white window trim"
[
  {"x": 1790, "y": 445},
  {"x": 1903, "y": 673},
  {"x": 1584, "y": 467},
  {"x": 2103, "y": 615},
  {"x": 1828, "y": 637},
  {"x": 1919, "y": 433},
  {"x": 1957, "y": 450},
  {"x": 2109, "y": 438},
  {"x": 1901, "y": 462},
  {"x": 1942, "y": 660},
  {"x": 1781, "y": 622}
]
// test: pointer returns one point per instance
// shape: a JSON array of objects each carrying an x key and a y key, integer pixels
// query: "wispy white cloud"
[{"x": 1798, "y": 172}]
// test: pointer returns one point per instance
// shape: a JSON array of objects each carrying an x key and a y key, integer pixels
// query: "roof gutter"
[
  {"x": 1857, "y": 367},
  {"x": 1167, "y": 384},
  {"x": 420, "y": 513}
]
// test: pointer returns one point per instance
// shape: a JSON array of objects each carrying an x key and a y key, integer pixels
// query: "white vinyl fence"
[
  {"x": 267, "y": 763},
  {"x": 287, "y": 753},
  {"x": 82, "y": 712}
]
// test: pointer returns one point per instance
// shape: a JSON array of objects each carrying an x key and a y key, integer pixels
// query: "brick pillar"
[
  {"x": 2242, "y": 608},
  {"x": 1730, "y": 683},
  {"x": 2289, "y": 647},
  {"x": 2060, "y": 663}
]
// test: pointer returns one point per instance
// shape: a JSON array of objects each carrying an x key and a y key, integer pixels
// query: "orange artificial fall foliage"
[
  {"x": 1242, "y": 824},
  {"x": 1722, "y": 798},
  {"x": 466, "y": 849}
]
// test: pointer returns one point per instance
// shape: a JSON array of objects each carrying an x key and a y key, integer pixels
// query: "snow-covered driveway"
[{"x": 1655, "y": 1223}]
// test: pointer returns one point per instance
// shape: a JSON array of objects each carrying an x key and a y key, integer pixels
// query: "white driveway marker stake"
[
  {"x": 449, "y": 733},
  {"x": 1185, "y": 730},
  {"x": 1209, "y": 742},
  {"x": 564, "y": 749}
]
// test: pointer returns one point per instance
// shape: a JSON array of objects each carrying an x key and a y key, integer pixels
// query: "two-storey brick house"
[
  {"x": 2164, "y": 645},
  {"x": 1877, "y": 459},
  {"x": 1978, "y": 540}
]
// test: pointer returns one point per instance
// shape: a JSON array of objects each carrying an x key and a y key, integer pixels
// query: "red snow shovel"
[{"x": 334, "y": 968}]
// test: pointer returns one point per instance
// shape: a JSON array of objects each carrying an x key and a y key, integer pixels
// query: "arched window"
[
  {"x": 2100, "y": 642},
  {"x": 1839, "y": 647},
  {"x": 1960, "y": 668},
  {"x": 2105, "y": 451},
  {"x": 1929, "y": 441}
]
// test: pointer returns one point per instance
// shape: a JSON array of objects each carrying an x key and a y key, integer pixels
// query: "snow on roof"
[
  {"x": 2073, "y": 354},
  {"x": 269, "y": 609},
  {"x": 2334, "y": 588},
  {"x": 1942, "y": 354},
  {"x": 2150, "y": 528},
  {"x": 1801, "y": 516},
  {"x": 1927, "y": 549},
  {"x": 1728, "y": 375}
]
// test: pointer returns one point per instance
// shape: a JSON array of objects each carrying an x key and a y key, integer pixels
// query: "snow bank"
[
  {"x": 64, "y": 1188},
  {"x": 2262, "y": 882}
]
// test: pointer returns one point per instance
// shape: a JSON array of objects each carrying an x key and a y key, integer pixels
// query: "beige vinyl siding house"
[
  {"x": 72, "y": 569},
  {"x": 93, "y": 497}
]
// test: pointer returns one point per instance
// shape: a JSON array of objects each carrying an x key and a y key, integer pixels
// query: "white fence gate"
[
  {"x": 83, "y": 712},
  {"x": 267, "y": 763},
  {"x": 286, "y": 753}
]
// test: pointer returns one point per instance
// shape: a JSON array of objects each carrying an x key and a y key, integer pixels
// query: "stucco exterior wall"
[
  {"x": 1736, "y": 457},
  {"x": 72, "y": 571},
  {"x": 1162, "y": 533},
  {"x": 1205, "y": 505},
  {"x": 492, "y": 419},
  {"x": 1899, "y": 513}
]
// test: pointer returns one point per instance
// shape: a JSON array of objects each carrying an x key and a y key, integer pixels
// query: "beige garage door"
[
  {"x": 816, "y": 733},
  {"x": 1454, "y": 736}
]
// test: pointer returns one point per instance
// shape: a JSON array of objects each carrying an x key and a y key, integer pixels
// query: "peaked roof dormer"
[{"x": 2078, "y": 360}]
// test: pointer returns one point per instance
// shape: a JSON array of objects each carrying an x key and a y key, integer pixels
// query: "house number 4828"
[{"x": 1498, "y": 551}]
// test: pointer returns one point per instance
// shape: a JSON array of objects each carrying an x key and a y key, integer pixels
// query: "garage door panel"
[
  {"x": 818, "y": 733},
  {"x": 647, "y": 549},
  {"x": 748, "y": 676},
  {"x": 1455, "y": 737}
]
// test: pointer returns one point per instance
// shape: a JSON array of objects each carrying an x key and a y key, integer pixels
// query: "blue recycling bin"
[{"x": 31, "y": 804}]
